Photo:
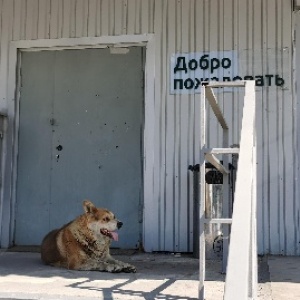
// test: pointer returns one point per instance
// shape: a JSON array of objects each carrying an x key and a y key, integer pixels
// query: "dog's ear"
[{"x": 88, "y": 206}]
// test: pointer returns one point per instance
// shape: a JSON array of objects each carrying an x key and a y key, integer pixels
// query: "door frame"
[{"x": 8, "y": 197}]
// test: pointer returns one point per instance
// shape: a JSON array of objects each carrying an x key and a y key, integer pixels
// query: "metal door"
[{"x": 80, "y": 137}]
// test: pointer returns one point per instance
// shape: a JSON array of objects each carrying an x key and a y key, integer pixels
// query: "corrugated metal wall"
[{"x": 258, "y": 30}]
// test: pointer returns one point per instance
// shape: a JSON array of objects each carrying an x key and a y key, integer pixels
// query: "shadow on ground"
[{"x": 159, "y": 276}]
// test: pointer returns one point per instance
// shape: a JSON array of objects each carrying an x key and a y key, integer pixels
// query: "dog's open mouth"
[{"x": 111, "y": 234}]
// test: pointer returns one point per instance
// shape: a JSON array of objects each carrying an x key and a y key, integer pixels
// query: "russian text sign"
[{"x": 189, "y": 70}]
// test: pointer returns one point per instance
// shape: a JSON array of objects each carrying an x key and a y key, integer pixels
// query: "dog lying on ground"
[{"x": 83, "y": 244}]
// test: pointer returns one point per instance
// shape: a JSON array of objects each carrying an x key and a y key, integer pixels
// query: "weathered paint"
[{"x": 257, "y": 28}]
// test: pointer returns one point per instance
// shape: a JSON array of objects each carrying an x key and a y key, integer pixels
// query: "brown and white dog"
[{"x": 83, "y": 244}]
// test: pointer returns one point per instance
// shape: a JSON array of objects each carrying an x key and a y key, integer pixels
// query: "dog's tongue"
[{"x": 114, "y": 235}]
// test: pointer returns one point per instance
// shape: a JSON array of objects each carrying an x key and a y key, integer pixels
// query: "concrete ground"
[{"x": 159, "y": 276}]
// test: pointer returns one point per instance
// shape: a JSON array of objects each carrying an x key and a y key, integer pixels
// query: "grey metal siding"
[{"x": 259, "y": 29}]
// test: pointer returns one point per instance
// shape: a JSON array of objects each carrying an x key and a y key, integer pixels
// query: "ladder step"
[
  {"x": 214, "y": 84},
  {"x": 218, "y": 221},
  {"x": 222, "y": 150}
]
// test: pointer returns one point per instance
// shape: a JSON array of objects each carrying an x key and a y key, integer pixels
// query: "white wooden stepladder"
[{"x": 240, "y": 262}]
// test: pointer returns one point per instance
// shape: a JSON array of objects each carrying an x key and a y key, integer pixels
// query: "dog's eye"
[{"x": 106, "y": 219}]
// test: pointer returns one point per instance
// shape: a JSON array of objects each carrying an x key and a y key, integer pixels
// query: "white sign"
[{"x": 189, "y": 70}]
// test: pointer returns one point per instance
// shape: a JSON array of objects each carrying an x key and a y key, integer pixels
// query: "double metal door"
[{"x": 80, "y": 137}]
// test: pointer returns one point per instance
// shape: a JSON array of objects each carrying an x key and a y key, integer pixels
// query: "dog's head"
[{"x": 101, "y": 221}]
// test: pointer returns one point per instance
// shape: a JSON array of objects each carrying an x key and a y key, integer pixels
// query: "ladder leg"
[
  {"x": 226, "y": 203},
  {"x": 202, "y": 232},
  {"x": 202, "y": 197},
  {"x": 225, "y": 229}
]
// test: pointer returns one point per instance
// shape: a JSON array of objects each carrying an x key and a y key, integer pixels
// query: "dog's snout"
[{"x": 119, "y": 224}]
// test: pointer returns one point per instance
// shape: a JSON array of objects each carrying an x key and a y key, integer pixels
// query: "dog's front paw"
[
  {"x": 114, "y": 269},
  {"x": 129, "y": 268}
]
